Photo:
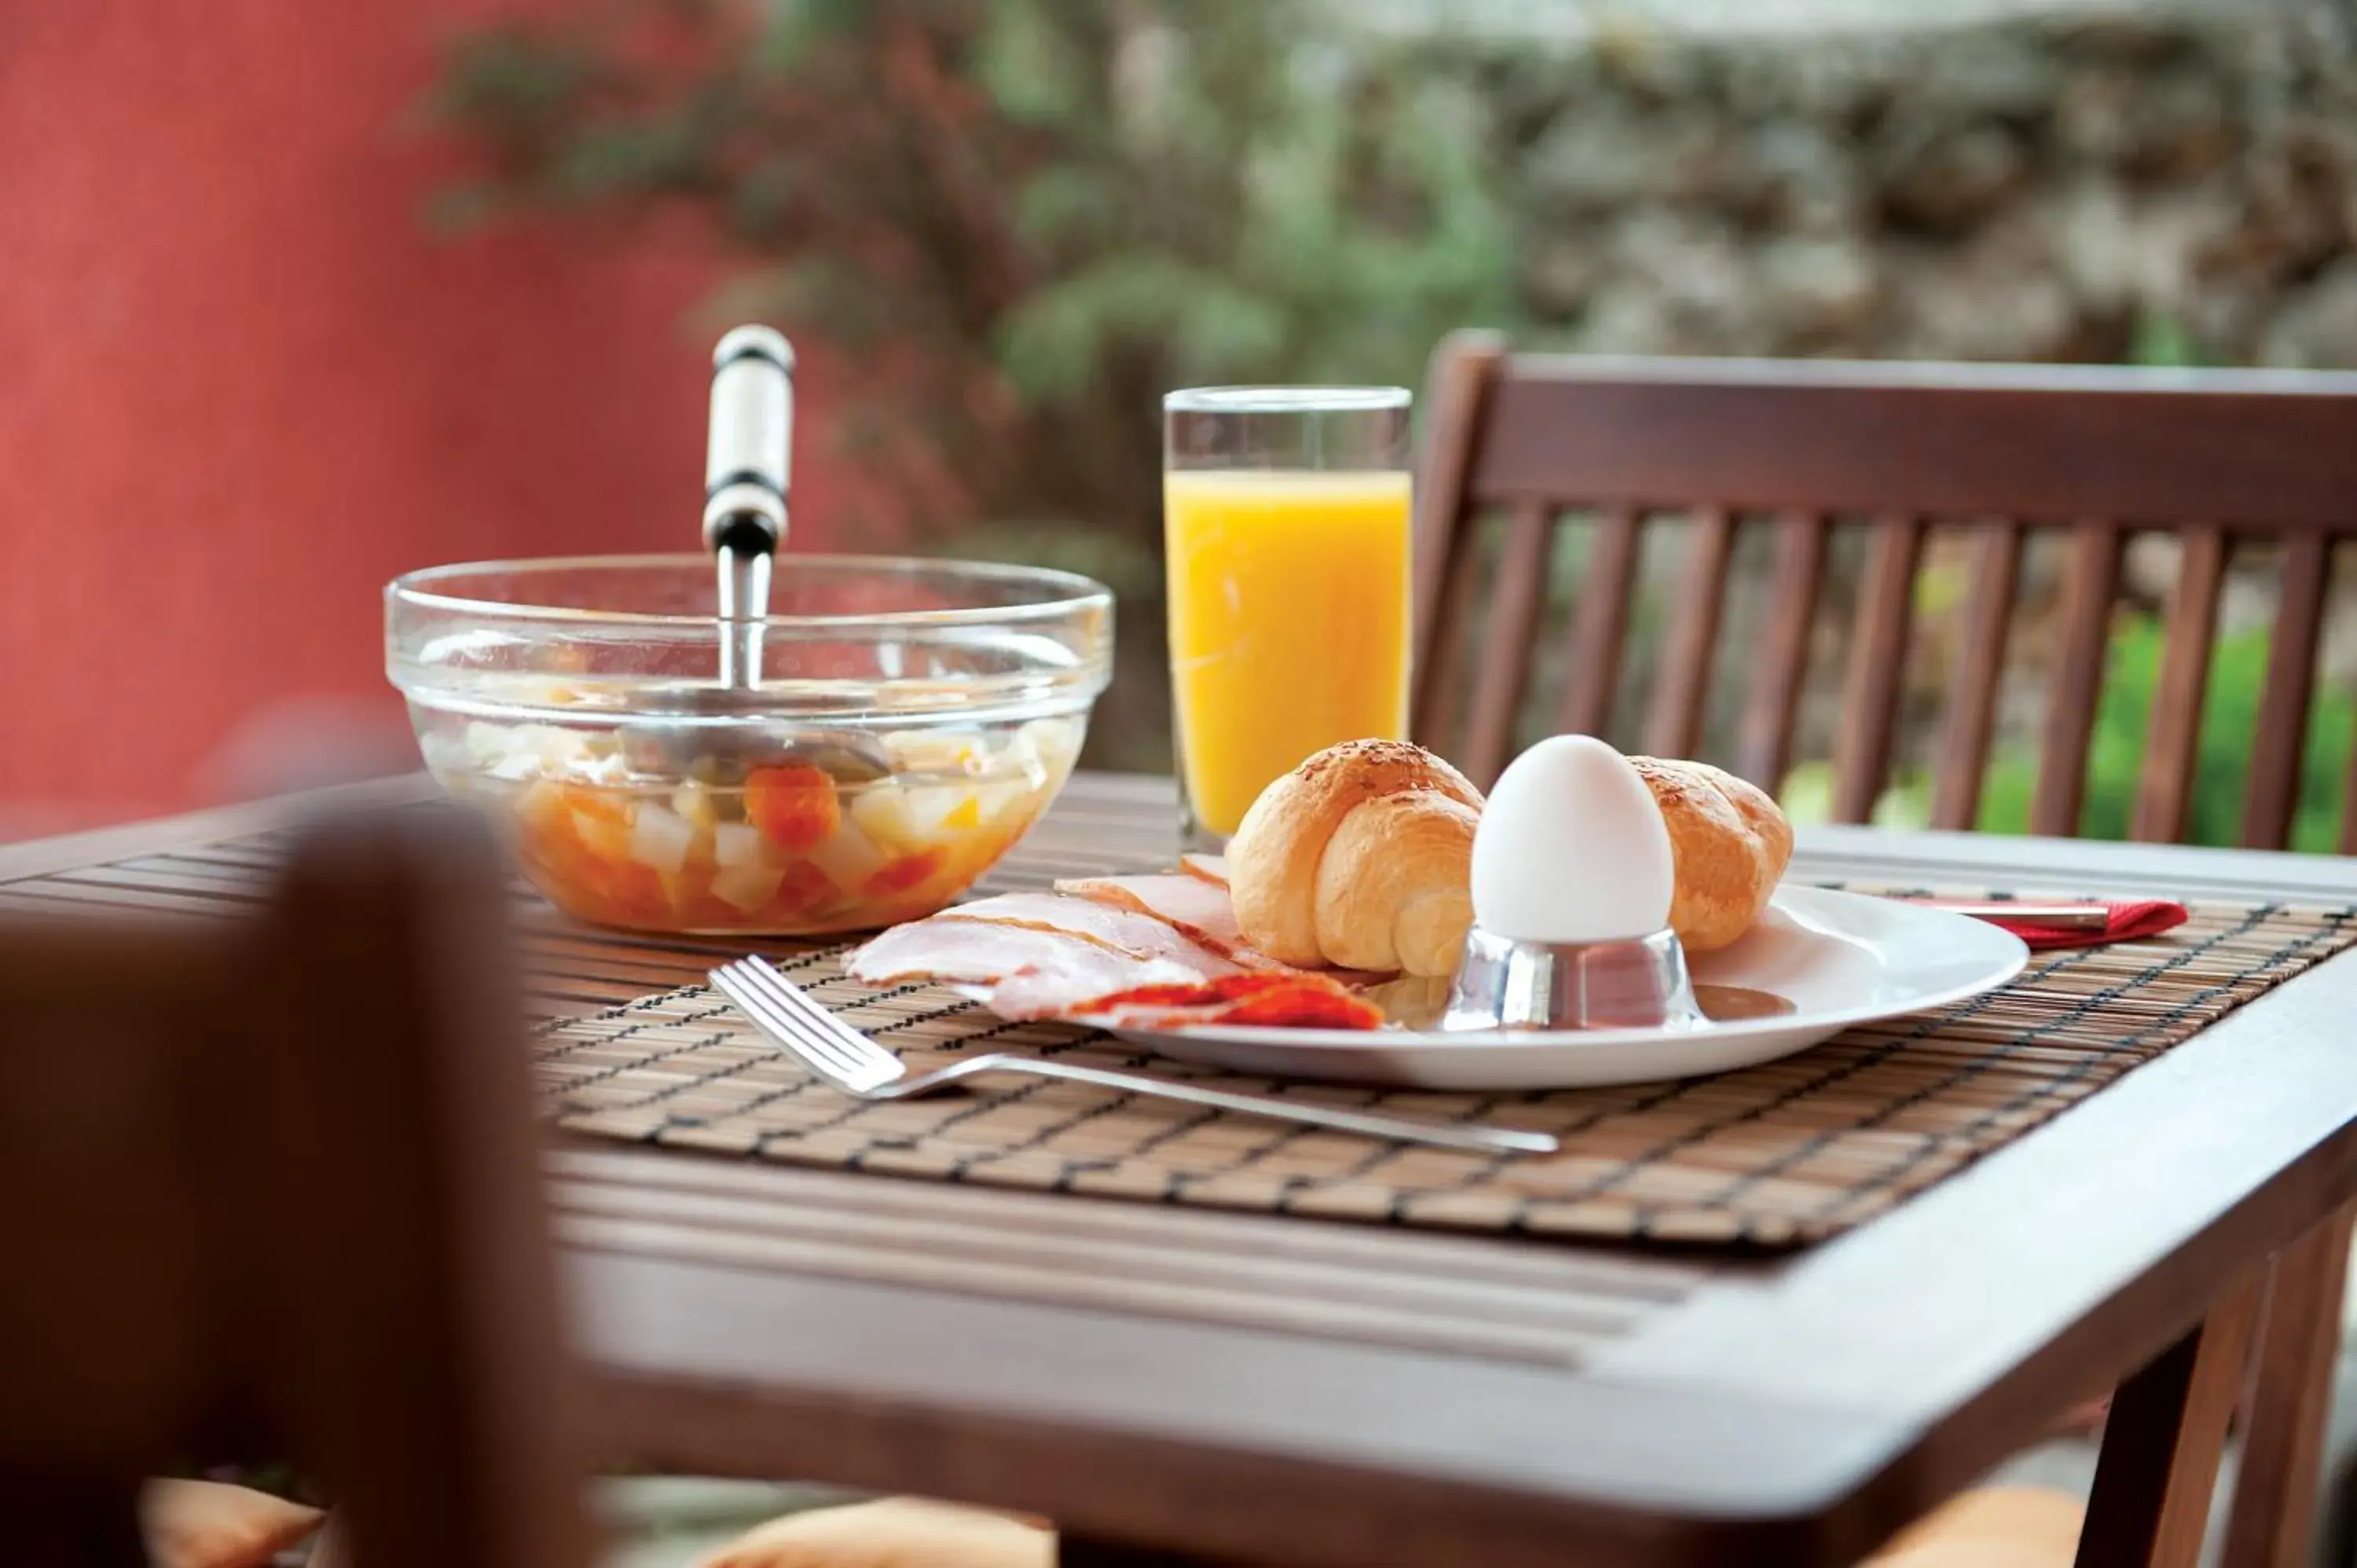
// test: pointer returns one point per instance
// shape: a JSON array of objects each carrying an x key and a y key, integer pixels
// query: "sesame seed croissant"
[{"x": 1358, "y": 858}]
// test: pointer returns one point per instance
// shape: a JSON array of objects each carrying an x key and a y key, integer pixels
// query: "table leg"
[
  {"x": 2168, "y": 1428},
  {"x": 2275, "y": 1495}
]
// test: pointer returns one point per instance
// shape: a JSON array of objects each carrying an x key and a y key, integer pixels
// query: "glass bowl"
[{"x": 913, "y": 718}]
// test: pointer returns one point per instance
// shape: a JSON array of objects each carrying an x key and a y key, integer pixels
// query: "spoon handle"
[{"x": 745, "y": 459}]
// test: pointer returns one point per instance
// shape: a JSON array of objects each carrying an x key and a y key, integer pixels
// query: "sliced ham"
[
  {"x": 1051, "y": 991},
  {"x": 1211, "y": 869},
  {"x": 978, "y": 952},
  {"x": 1268, "y": 998},
  {"x": 1125, "y": 930},
  {"x": 1042, "y": 954},
  {"x": 1197, "y": 908},
  {"x": 1064, "y": 954}
]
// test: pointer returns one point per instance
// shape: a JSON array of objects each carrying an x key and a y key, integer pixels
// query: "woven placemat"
[{"x": 1772, "y": 1155}]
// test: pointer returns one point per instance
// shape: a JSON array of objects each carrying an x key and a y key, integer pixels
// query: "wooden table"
[{"x": 1257, "y": 1390}]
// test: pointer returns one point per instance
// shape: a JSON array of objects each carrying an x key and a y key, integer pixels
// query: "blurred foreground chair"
[
  {"x": 231, "y": 1236},
  {"x": 1544, "y": 481}
]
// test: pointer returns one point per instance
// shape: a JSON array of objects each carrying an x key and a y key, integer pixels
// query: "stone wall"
[
  {"x": 2174, "y": 188},
  {"x": 2182, "y": 188}
]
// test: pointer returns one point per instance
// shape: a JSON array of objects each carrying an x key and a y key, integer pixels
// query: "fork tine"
[
  {"x": 857, "y": 1062},
  {"x": 815, "y": 1018},
  {"x": 791, "y": 1010},
  {"x": 740, "y": 990},
  {"x": 811, "y": 1042},
  {"x": 782, "y": 1026}
]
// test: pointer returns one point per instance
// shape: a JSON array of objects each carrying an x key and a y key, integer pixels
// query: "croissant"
[
  {"x": 1729, "y": 843},
  {"x": 1361, "y": 858}
]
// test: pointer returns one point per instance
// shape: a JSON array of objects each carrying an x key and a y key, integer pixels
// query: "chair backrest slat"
[
  {"x": 1513, "y": 616},
  {"x": 1764, "y": 744},
  {"x": 2020, "y": 454},
  {"x": 2282, "y": 740},
  {"x": 2349, "y": 806},
  {"x": 1456, "y": 396},
  {"x": 1601, "y": 624},
  {"x": 2089, "y": 583},
  {"x": 1442, "y": 680},
  {"x": 2173, "y": 732},
  {"x": 1980, "y": 671},
  {"x": 1878, "y": 662},
  {"x": 1673, "y": 719}
]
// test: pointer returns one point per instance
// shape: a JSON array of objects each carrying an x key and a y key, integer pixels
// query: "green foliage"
[
  {"x": 2230, "y": 716},
  {"x": 1023, "y": 221},
  {"x": 2164, "y": 342},
  {"x": 1028, "y": 217}
]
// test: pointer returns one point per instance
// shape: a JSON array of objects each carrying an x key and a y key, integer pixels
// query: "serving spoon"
[{"x": 746, "y": 462}]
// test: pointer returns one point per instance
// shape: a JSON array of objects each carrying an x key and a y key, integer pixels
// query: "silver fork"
[{"x": 859, "y": 1067}]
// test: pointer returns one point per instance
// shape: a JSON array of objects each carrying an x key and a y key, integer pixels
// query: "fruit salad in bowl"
[{"x": 911, "y": 720}]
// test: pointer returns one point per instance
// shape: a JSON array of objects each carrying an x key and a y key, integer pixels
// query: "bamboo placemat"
[{"x": 1774, "y": 1155}]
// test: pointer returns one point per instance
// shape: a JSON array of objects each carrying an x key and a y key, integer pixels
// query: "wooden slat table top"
[{"x": 1256, "y": 1388}]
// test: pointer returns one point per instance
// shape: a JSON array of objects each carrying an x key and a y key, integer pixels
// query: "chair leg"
[
  {"x": 2159, "y": 1458},
  {"x": 2276, "y": 1496}
]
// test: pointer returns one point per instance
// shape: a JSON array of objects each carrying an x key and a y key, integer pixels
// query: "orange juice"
[{"x": 1289, "y": 623}]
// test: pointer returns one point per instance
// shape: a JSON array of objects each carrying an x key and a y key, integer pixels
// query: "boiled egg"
[{"x": 1572, "y": 849}]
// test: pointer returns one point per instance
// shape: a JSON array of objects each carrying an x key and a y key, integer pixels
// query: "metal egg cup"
[{"x": 1638, "y": 983}]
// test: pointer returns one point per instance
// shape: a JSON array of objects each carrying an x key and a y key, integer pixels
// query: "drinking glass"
[{"x": 1286, "y": 528}]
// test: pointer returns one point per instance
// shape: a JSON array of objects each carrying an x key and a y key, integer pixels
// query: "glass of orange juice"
[{"x": 1285, "y": 527}]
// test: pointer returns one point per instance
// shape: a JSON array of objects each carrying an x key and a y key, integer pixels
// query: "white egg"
[{"x": 1572, "y": 848}]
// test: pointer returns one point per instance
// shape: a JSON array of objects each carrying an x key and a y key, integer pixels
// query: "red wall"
[{"x": 240, "y": 386}]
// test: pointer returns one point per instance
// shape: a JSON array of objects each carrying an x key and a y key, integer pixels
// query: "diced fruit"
[
  {"x": 940, "y": 814},
  {"x": 601, "y": 820},
  {"x": 904, "y": 873},
  {"x": 804, "y": 889},
  {"x": 547, "y": 836},
  {"x": 486, "y": 744},
  {"x": 1055, "y": 741},
  {"x": 881, "y": 809},
  {"x": 937, "y": 751},
  {"x": 1021, "y": 759},
  {"x": 1005, "y": 804},
  {"x": 543, "y": 808},
  {"x": 527, "y": 751},
  {"x": 660, "y": 839},
  {"x": 737, "y": 844},
  {"x": 554, "y": 694},
  {"x": 786, "y": 848},
  {"x": 748, "y": 885},
  {"x": 696, "y": 800},
  {"x": 795, "y": 805},
  {"x": 849, "y": 857},
  {"x": 639, "y": 895}
]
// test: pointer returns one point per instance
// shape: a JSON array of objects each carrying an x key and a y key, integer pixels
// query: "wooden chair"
[
  {"x": 1524, "y": 451},
  {"x": 230, "y": 1235},
  {"x": 1803, "y": 454}
]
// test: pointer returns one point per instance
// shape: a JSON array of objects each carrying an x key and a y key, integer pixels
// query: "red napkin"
[{"x": 2127, "y": 920}]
